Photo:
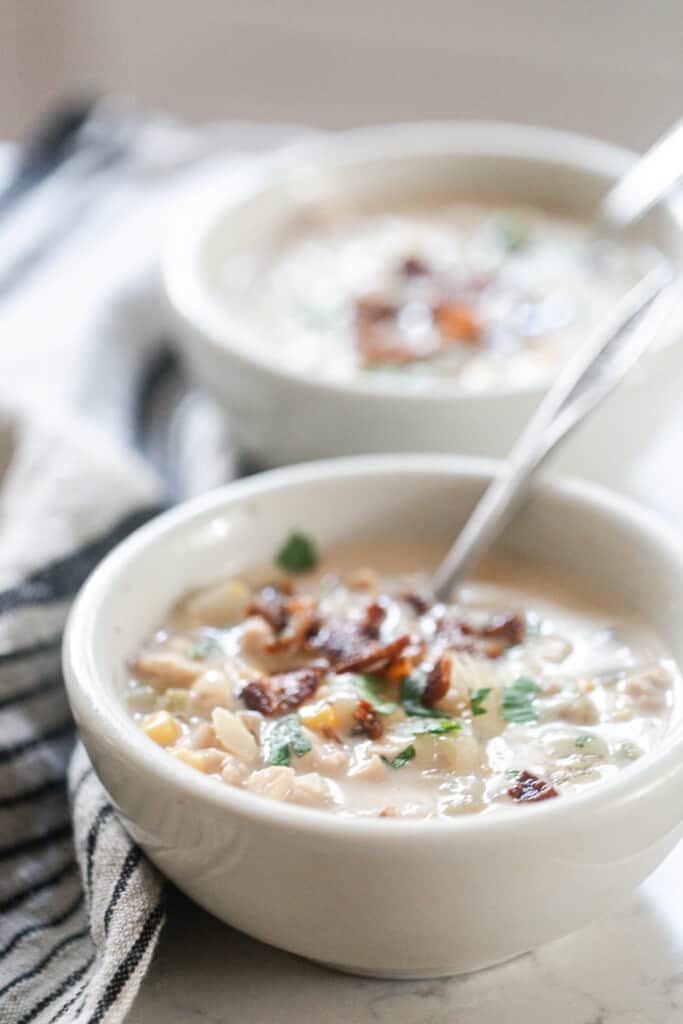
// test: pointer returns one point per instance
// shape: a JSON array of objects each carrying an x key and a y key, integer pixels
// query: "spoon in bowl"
[{"x": 585, "y": 382}]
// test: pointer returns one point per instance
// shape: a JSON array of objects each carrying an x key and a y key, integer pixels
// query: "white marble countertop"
[{"x": 624, "y": 969}]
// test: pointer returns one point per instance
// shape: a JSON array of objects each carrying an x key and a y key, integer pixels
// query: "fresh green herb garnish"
[
  {"x": 582, "y": 740},
  {"x": 512, "y": 773},
  {"x": 518, "y": 700},
  {"x": 283, "y": 737},
  {"x": 438, "y": 728},
  {"x": 477, "y": 698},
  {"x": 373, "y": 690},
  {"x": 204, "y": 649},
  {"x": 297, "y": 554},
  {"x": 513, "y": 236},
  {"x": 405, "y": 755},
  {"x": 412, "y": 688}
]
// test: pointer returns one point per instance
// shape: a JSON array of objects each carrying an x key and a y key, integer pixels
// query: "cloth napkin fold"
[{"x": 80, "y": 907}]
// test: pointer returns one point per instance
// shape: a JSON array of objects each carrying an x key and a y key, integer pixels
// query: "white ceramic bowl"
[
  {"x": 281, "y": 416},
  {"x": 394, "y": 898}
]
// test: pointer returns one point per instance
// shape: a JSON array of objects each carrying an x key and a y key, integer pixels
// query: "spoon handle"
[
  {"x": 649, "y": 180},
  {"x": 588, "y": 378}
]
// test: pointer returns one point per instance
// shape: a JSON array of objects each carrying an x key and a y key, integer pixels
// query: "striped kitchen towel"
[{"x": 80, "y": 906}]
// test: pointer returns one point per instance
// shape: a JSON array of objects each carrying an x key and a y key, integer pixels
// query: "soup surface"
[
  {"x": 348, "y": 687},
  {"x": 491, "y": 297}
]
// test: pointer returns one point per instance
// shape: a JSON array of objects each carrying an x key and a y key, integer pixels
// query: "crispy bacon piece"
[
  {"x": 379, "y": 339},
  {"x": 438, "y": 681},
  {"x": 302, "y": 622},
  {"x": 272, "y": 604},
  {"x": 509, "y": 628},
  {"x": 419, "y": 604},
  {"x": 528, "y": 788},
  {"x": 375, "y": 613},
  {"x": 375, "y": 658},
  {"x": 488, "y": 641},
  {"x": 281, "y": 692},
  {"x": 456, "y": 321},
  {"x": 368, "y": 720},
  {"x": 413, "y": 266}
]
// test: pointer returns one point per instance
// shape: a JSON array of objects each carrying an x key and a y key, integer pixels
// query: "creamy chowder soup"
[
  {"x": 348, "y": 687},
  {"x": 491, "y": 297}
]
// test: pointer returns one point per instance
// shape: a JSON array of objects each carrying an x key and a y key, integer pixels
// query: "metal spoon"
[{"x": 587, "y": 379}]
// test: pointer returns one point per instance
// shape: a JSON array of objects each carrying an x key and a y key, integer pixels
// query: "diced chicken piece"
[
  {"x": 203, "y": 736},
  {"x": 277, "y": 782},
  {"x": 234, "y": 735},
  {"x": 647, "y": 690},
  {"x": 233, "y": 771},
  {"x": 222, "y": 605},
  {"x": 256, "y": 635},
  {"x": 282, "y": 783},
  {"x": 580, "y": 710},
  {"x": 206, "y": 761},
  {"x": 167, "y": 668},
  {"x": 214, "y": 688},
  {"x": 326, "y": 758},
  {"x": 312, "y": 790}
]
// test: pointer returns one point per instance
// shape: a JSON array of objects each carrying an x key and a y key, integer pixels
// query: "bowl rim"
[
  {"x": 190, "y": 299},
  {"x": 92, "y": 697}
]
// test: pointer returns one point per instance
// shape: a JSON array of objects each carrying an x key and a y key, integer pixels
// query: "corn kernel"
[
  {"x": 586, "y": 685},
  {"x": 162, "y": 728},
  {"x": 194, "y": 758},
  {"x": 320, "y": 717}
]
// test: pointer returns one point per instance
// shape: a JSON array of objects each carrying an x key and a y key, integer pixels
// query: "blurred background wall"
[{"x": 610, "y": 67}]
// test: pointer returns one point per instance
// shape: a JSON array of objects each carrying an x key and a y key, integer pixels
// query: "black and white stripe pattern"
[{"x": 80, "y": 907}]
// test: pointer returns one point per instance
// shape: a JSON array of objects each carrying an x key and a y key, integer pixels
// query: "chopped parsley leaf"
[
  {"x": 282, "y": 738},
  {"x": 402, "y": 758},
  {"x": 582, "y": 740},
  {"x": 438, "y": 728},
  {"x": 477, "y": 698},
  {"x": 297, "y": 554},
  {"x": 412, "y": 688},
  {"x": 512, "y": 773},
  {"x": 373, "y": 690},
  {"x": 518, "y": 700}
]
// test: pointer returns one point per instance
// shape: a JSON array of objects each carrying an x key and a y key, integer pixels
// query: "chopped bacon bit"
[
  {"x": 374, "y": 658},
  {"x": 281, "y": 692},
  {"x": 375, "y": 613},
  {"x": 438, "y": 681},
  {"x": 419, "y": 604},
  {"x": 338, "y": 640},
  {"x": 379, "y": 340},
  {"x": 489, "y": 641},
  {"x": 272, "y": 604},
  {"x": 304, "y": 620},
  {"x": 528, "y": 788},
  {"x": 413, "y": 266},
  {"x": 456, "y": 322},
  {"x": 510, "y": 628},
  {"x": 368, "y": 720}
]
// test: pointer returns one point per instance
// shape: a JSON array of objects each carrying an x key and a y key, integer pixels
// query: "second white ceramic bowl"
[
  {"x": 280, "y": 416},
  {"x": 388, "y": 897}
]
